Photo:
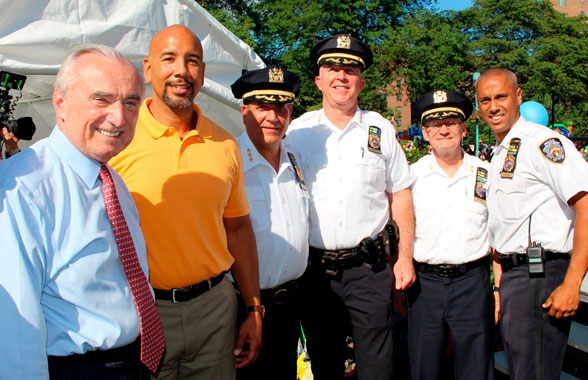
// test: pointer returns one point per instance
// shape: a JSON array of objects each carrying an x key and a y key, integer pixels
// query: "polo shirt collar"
[
  {"x": 158, "y": 130},
  {"x": 86, "y": 168}
]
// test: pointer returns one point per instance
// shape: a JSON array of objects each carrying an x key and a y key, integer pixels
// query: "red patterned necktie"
[{"x": 152, "y": 340}]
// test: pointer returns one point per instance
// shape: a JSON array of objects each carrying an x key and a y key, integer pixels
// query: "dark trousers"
[
  {"x": 462, "y": 306},
  {"x": 281, "y": 330},
  {"x": 517, "y": 322},
  {"x": 117, "y": 364},
  {"x": 359, "y": 302}
]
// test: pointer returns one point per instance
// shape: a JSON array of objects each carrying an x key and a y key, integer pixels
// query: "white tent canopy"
[{"x": 37, "y": 35}]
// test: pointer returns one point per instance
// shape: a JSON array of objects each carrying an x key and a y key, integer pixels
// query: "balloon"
[{"x": 534, "y": 112}]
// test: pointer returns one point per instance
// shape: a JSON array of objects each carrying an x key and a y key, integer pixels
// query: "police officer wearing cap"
[
  {"x": 538, "y": 213},
  {"x": 358, "y": 179},
  {"x": 278, "y": 202},
  {"x": 452, "y": 294}
]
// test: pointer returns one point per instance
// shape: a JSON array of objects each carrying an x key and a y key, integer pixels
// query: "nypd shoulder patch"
[{"x": 553, "y": 150}]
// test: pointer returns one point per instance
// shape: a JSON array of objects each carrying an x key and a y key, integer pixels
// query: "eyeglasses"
[{"x": 435, "y": 125}]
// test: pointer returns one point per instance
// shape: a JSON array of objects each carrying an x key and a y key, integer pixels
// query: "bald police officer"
[
  {"x": 355, "y": 169},
  {"x": 452, "y": 294},
  {"x": 278, "y": 203},
  {"x": 538, "y": 212}
]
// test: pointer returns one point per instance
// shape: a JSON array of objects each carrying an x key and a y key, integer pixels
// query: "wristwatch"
[
  {"x": 495, "y": 288},
  {"x": 256, "y": 309}
]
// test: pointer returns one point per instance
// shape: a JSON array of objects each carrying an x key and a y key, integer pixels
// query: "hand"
[
  {"x": 404, "y": 273},
  {"x": 10, "y": 140},
  {"x": 249, "y": 341},
  {"x": 563, "y": 301},
  {"x": 496, "y": 306}
]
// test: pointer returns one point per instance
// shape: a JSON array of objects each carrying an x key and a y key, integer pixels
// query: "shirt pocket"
[
  {"x": 511, "y": 194},
  {"x": 371, "y": 170},
  {"x": 258, "y": 210}
]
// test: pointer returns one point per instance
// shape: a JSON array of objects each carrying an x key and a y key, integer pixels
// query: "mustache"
[{"x": 179, "y": 82}]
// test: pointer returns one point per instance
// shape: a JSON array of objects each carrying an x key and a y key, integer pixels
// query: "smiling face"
[
  {"x": 266, "y": 124},
  {"x": 340, "y": 85},
  {"x": 499, "y": 99},
  {"x": 445, "y": 135},
  {"x": 99, "y": 110},
  {"x": 174, "y": 67}
]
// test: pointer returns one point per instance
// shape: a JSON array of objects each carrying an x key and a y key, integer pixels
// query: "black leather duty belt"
[
  {"x": 189, "y": 292},
  {"x": 129, "y": 352},
  {"x": 280, "y": 294},
  {"x": 508, "y": 262},
  {"x": 451, "y": 270},
  {"x": 371, "y": 252}
]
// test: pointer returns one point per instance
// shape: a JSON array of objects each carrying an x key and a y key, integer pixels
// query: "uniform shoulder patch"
[{"x": 553, "y": 150}]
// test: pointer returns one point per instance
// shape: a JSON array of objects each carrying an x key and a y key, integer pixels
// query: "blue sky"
[{"x": 456, "y": 5}]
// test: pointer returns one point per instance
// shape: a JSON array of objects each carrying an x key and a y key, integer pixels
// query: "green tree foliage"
[{"x": 546, "y": 49}]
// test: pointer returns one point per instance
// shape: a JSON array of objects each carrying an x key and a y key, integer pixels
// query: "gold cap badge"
[
  {"x": 276, "y": 75},
  {"x": 439, "y": 96},
  {"x": 343, "y": 42}
]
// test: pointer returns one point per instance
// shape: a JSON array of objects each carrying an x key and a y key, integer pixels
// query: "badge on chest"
[
  {"x": 374, "y": 139},
  {"x": 510, "y": 161}
]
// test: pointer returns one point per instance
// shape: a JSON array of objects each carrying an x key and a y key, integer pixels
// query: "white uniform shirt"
[
  {"x": 347, "y": 182},
  {"x": 278, "y": 208},
  {"x": 540, "y": 187},
  {"x": 451, "y": 226}
]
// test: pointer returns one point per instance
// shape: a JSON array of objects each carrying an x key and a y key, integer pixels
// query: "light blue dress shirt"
[{"x": 62, "y": 285}]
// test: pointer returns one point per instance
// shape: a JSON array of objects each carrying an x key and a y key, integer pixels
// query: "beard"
[{"x": 178, "y": 103}]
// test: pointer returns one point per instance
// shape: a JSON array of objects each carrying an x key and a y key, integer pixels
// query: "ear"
[
  {"x": 244, "y": 112},
  {"x": 425, "y": 133},
  {"x": 317, "y": 82},
  {"x": 361, "y": 83},
  {"x": 147, "y": 69},
  {"x": 519, "y": 96},
  {"x": 59, "y": 103}
]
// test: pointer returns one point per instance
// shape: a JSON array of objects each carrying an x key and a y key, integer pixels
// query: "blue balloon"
[{"x": 534, "y": 112}]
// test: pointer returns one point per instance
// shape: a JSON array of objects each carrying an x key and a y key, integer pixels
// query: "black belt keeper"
[
  {"x": 189, "y": 292},
  {"x": 507, "y": 262},
  {"x": 451, "y": 270},
  {"x": 129, "y": 352},
  {"x": 373, "y": 253}
]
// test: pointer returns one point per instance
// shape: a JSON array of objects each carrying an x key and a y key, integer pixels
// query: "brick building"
[
  {"x": 571, "y": 7},
  {"x": 399, "y": 103}
]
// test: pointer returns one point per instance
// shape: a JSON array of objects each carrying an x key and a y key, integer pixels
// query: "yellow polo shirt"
[{"x": 183, "y": 189}]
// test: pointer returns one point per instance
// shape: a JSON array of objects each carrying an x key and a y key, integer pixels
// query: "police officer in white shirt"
[
  {"x": 538, "y": 213},
  {"x": 278, "y": 202},
  {"x": 452, "y": 294},
  {"x": 354, "y": 169}
]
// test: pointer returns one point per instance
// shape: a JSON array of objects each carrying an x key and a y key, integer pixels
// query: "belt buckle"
[
  {"x": 446, "y": 270},
  {"x": 173, "y": 292},
  {"x": 277, "y": 296},
  {"x": 330, "y": 260}
]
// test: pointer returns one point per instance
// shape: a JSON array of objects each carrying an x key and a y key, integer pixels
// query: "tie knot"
[{"x": 104, "y": 175}]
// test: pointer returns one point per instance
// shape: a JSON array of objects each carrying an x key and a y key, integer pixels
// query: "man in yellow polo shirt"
[{"x": 186, "y": 177}]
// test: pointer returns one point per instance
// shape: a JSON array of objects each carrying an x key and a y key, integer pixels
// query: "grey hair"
[{"x": 65, "y": 77}]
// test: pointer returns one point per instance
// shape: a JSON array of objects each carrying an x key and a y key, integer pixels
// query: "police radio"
[{"x": 535, "y": 255}]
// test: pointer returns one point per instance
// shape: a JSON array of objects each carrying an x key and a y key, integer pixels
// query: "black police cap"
[
  {"x": 443, "y": 104},
  {"x": 272, "y": 84},
  {"x": 342, "y": 50}
]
